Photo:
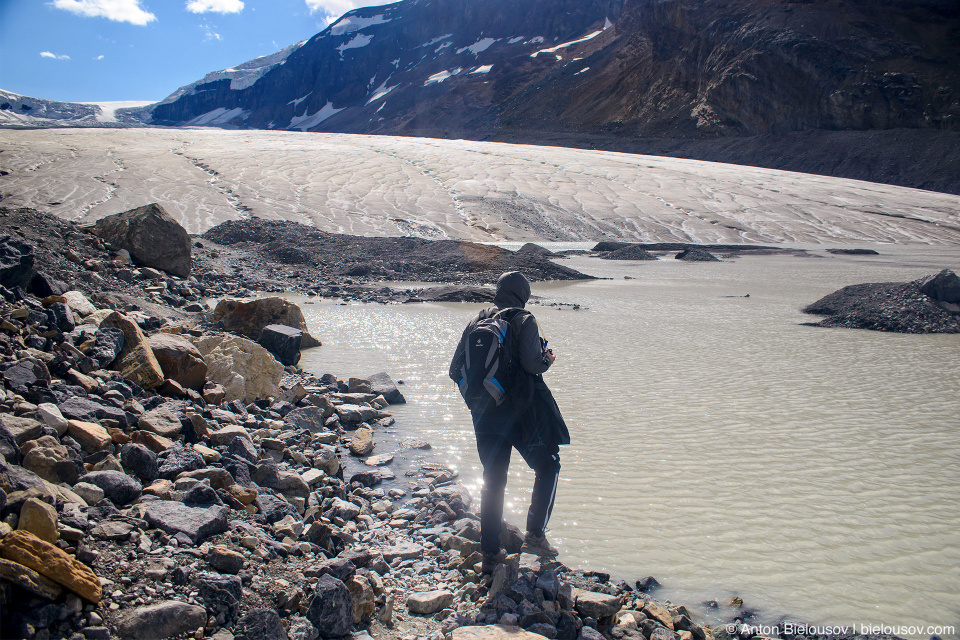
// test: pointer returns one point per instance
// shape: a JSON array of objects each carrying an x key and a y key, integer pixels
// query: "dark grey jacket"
[{"x": 513, "y": 291}]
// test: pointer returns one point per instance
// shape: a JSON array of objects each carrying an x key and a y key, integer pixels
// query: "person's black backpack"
[{"x": 489, "y": 373}]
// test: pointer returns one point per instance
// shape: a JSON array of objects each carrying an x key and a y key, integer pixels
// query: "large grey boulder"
[
  {"x": 943, "y": 286},
  {"x": 197, "y": 523},
  {"x": 382, "y": 384},
  {"x": 16, "y": 263},
  {"x": 282, "y": 342},
  {"x": 331, "y": 609},
  {"x": 260, "y": 624},
  {"x": 163, "y": 620},
  {"x": 117, "y": 486},
  {"x": 153, "y": 238}
]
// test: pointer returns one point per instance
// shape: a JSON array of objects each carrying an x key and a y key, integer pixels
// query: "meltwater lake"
[{"x": 718, "y": 445}]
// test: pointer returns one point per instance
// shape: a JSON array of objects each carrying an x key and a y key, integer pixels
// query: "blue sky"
[{"x": 99, "y": 50}]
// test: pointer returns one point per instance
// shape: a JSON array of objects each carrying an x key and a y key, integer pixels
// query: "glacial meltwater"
[{"x": 718, "y": 444}]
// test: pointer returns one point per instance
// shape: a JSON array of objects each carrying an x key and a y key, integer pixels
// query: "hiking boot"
[
  {"x": 538, "y": 545},
  {"x": 491, "y": 560}
]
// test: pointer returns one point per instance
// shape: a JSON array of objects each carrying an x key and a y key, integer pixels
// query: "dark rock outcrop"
[
  {"x": 697, "y": 255},
  {"x": 901, "y": 307},
  {"x": 16, "y": 263},
  {"x": 152, "y": 237},
  {"x": 283, "y": 342},
  {"x": 629, "y": 252}
]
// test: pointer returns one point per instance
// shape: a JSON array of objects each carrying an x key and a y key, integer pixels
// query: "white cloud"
[
  {"x": 209, "y": 33},
  {"x": 47, "y": 54},
  {"x": 116, "y": 10},
  {"x": 216, "y": 6},
  {"x": 99, "y": 57}
]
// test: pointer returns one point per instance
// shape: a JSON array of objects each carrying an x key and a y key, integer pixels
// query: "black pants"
[{"x": 498, "y": 431}]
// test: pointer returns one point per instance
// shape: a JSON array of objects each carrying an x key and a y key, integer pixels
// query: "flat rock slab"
[
  {"x": 406, "y": 551},
  {"x": 163, "y": 620},
  {"x": 196, "y": 523},
  {"x": 494, "y": 632},
  {"x": 427, "y": 602},
  {"x": 50, "y": 561}
]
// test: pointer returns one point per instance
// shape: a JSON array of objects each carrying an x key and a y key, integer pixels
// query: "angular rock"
[
  {"x": 179, "y": 459},
  {"x": 152, "y": 237},
  {"x": 29, "y": 580},
  {"x": 340, "y": 568},
  {"x": 22, "y": 429},
  {"x": 44, "y": 558},
  {"x": 226, "y": 435},
  {"x": 275, "y": 509},
  {"x": 596, "y": 605},
  {"x": 245, "y": 449},
  {"x": 249, "y": 317},
  {"x": 162, "y": 421},
  {"x": 201, "y": 495},
  {"x": 136, "y": 361},
  {"x": 107, "y": 346},
  {"x": 44, "y": 285},
  {"x": 218, "y": 478},
  {"x": 51, "y": 416},
  {"x": 495, "y": 632},
  {"x": 225, "y": 560},
  {"x": 246, "y": 370},
  {"x": 25, "y": 375},
  {"x": 364, "y": 601},
  {"x": 283, "y": 342},
  {"x": 404, "y": 551},
  {"x": 694, "y": 254},
  {"x": 331, "y": 608},
  {"x": 362, "y": 442},
  {"x": 91, "y": 493},
  {"x": 91, "y": 411},
  {"x": 220, "y": 592},
  {"x": 197, "y": 523},
  {"x": 943, "y": 286},
  {"x": 308, "y": 418},
  {"x": 179, "y": 360},
  {"x": 118, "y": 487},
  {"x": 16, "y": 263},
  {"x": 40, "y": 519},
  {"x": 79, "y": 302},
  {"x": 382, "y": 384},
  {"x": 163, "y": 620},
  {"x": 140, "y": 461},
  {"x": 62, "y": 316},
  {"x": 427, "y": 602},
  {"x": 260, "y": 624},
  {"x": 91, "y": 436}
]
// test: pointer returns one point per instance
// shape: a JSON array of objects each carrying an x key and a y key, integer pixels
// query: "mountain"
[
  {"x": 633, "y": 68},
  {"x": 17, "y": 111}
]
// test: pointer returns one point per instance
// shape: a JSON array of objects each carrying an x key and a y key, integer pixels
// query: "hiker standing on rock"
[{"x": 497, "y": 366}]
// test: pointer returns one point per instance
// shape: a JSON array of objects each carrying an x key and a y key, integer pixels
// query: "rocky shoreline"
[{"x": 164, "y": 476}]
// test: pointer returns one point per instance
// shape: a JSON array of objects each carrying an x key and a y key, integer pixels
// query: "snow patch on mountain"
[
  {"x": 441, "y": 76},
  {"x": 306, "y": 122},
  {"x": 479, "y": 46},
  {"x": 351, "y": 23},
  {"x": 359, "y": 40},
  {"x": 218, "y": 117},
  {"x": 567, "y": 44}
]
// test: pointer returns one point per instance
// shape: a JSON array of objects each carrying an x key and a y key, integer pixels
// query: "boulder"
[
  {"x": 596, "y": 605},
  {"x": 152, "y": 237},
  {"x": 427, "y": 602},
  {"x": 44, "y": 285},
  {"x": 107, "y": 345},
  {"x": 260, "y": 624},
  {"x": 90, "y": 410},
  {"x": 943, "y": 286},
  {"x": 136, "y": 361},
  {"x": 162, "y": 421},
  {"x": 40, "y": 519},
  {"x": 29, "y": 580},
  {"x": 16, "y": 263},
  {"x": 25, "y": 375},
  {"x": 362, "y": 442},
  {"x": 225, "y": 560},
  {"x": 27, "y": 549},
  {"x": 283, "y": 342},
  {"x": 197, "y": 523},
  {"x": 382, "y": 384},
  {"x": 22, "y": 429},
  {"x": 178, "y": 459},
  {"x": 331, "y": 608},
  {"x": 364, "y": 601},
  {"x": 163, "y": 620},
  {"x": 308, "y": 418},
  {"x": 50, "y": 460},
  {"x": 496, "y": 632},
  {"x": 51, "y": 416},
  {"x": 275, "y": 509},
  {"x": 118, "y": 487},
  {"x": 91, "y": 436},
  {"x": 140, "y": 461},
  {"x": 179, "y": 360},
  {"x": 246, "y": 370},
  {"x": 79, "y": 303},
  {"x": 249, "y": 317}
]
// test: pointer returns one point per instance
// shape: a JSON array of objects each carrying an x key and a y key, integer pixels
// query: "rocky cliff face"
[{"x": 636, "y": 68}]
